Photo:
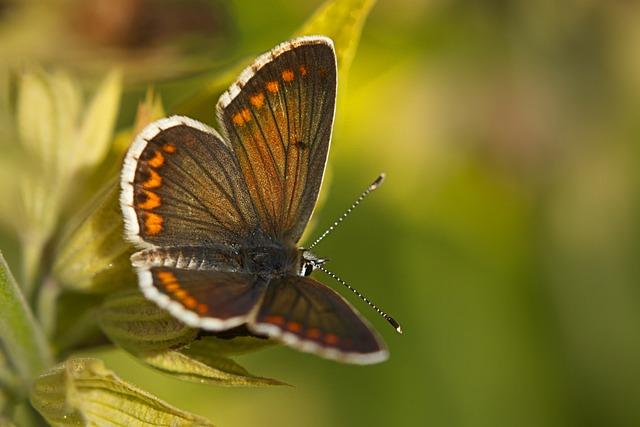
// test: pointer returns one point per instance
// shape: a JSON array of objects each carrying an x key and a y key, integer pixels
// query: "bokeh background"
[{"x": 505, "y": 239}]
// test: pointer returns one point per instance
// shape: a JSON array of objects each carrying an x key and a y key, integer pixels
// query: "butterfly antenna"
[
  {"x": 374, "y": 185},
  {"x": 388, "y": 318}
]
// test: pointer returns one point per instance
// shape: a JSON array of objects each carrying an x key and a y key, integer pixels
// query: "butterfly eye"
[{"x": 307, "y": 269}]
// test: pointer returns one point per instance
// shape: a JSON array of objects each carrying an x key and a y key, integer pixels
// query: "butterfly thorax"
[{"x": 271, "y": 260}]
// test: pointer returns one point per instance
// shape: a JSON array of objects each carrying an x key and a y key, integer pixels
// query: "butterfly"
[{"x": 218, "y": 216}]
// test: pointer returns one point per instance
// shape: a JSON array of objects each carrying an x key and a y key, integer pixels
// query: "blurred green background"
[{"x": 505, "y": 239}]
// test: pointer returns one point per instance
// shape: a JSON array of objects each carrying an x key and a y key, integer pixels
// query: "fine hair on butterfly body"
[{"x": 218, "y": 217}]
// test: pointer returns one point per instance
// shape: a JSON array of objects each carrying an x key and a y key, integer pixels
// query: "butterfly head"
[{"x": 309, "y": 262}]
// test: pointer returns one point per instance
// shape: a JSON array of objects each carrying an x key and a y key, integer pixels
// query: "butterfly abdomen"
[{"x": 220, "y": 258}]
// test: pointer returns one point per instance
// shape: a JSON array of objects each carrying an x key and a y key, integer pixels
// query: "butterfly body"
[
  {"x": 268, "y": 261},
  {"x": 218, "y": 216}
]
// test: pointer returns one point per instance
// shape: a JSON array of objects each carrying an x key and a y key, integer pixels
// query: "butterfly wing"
[
  {"x": 309, "y": 316},
  {"x": 206, "y": 299},
  {"x": 278, "y": 118},
  {"x": 182, "y": 185}
]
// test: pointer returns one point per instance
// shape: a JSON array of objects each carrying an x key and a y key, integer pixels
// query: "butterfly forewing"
[
  {"x": 278, "y": 118},
  {"x": 182, "y": 186},
  {"x": 307, "y": 315}
]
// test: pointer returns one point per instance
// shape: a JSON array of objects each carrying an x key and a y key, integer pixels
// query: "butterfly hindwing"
[
  {"x": 278, "y": 118},
  {"x": 181, "y": 185},
  {"x": 309, "y": 316},
  {"x": 207, "y": 299}
]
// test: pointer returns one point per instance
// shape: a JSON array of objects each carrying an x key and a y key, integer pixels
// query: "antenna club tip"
[
  {"x": 395, "y": 324},
  {"x": 378, "y": 181}
]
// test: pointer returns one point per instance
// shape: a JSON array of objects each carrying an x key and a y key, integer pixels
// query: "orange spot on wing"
[
  {"x": 288, "y": 76},
  {"x": 166, "y": 276},
  {"x": 237, "y": 119},
  {"x": 169, "y": 148},
  {"x": 275, "y": 319},
  {"x": 152, "y": 202},
  {"x": 153, "y": 223},
  {"x": 257, "y": 100},
  {"x": 246, "y": 114},
  {"x": 202, "y": 309},
  {"x": 157, "y": 160},
  {"x": 331, "y": 339},
  {"x": 154, "y": 181},
  {"x": 294, "y": 326},
  {"x": 180, "y": 294},
  {"x": 190, "y": 302},
  {"x": 272, "y": 86},
  {"x": 314, "y": 333},
  {"x": 303, "y": 70},
  {"x": 172, "y": 286}
]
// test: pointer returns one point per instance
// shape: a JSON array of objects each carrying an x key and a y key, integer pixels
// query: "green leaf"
[
  {"x": 96, "y": 130},
  {"x": 139, "y": 325},
  {"x": 342, "y": 21},
  {"x": 230, "y": 346},
  {"x": 36, "y": 116},
  {"x": 92, "y": 255},
  {"x": 83, "y": 392},
  {"x": 22, "y": 338},
  {"x": 200, "y": 363},
  {"x": 39, "y": 206},
  {"x": 67, "y": 103}
]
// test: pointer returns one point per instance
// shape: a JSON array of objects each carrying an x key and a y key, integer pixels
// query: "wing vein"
[
  {"x": 228, "y": 179},
  {"x": 196, "y": 198},
  {"x": 273, "y": 159},
  {"x": 210, "y": 176},
  {"x": 255, "y": 177}
]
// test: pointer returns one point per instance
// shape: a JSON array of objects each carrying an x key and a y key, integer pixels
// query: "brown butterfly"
[{"x": 219, "y": 216}]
